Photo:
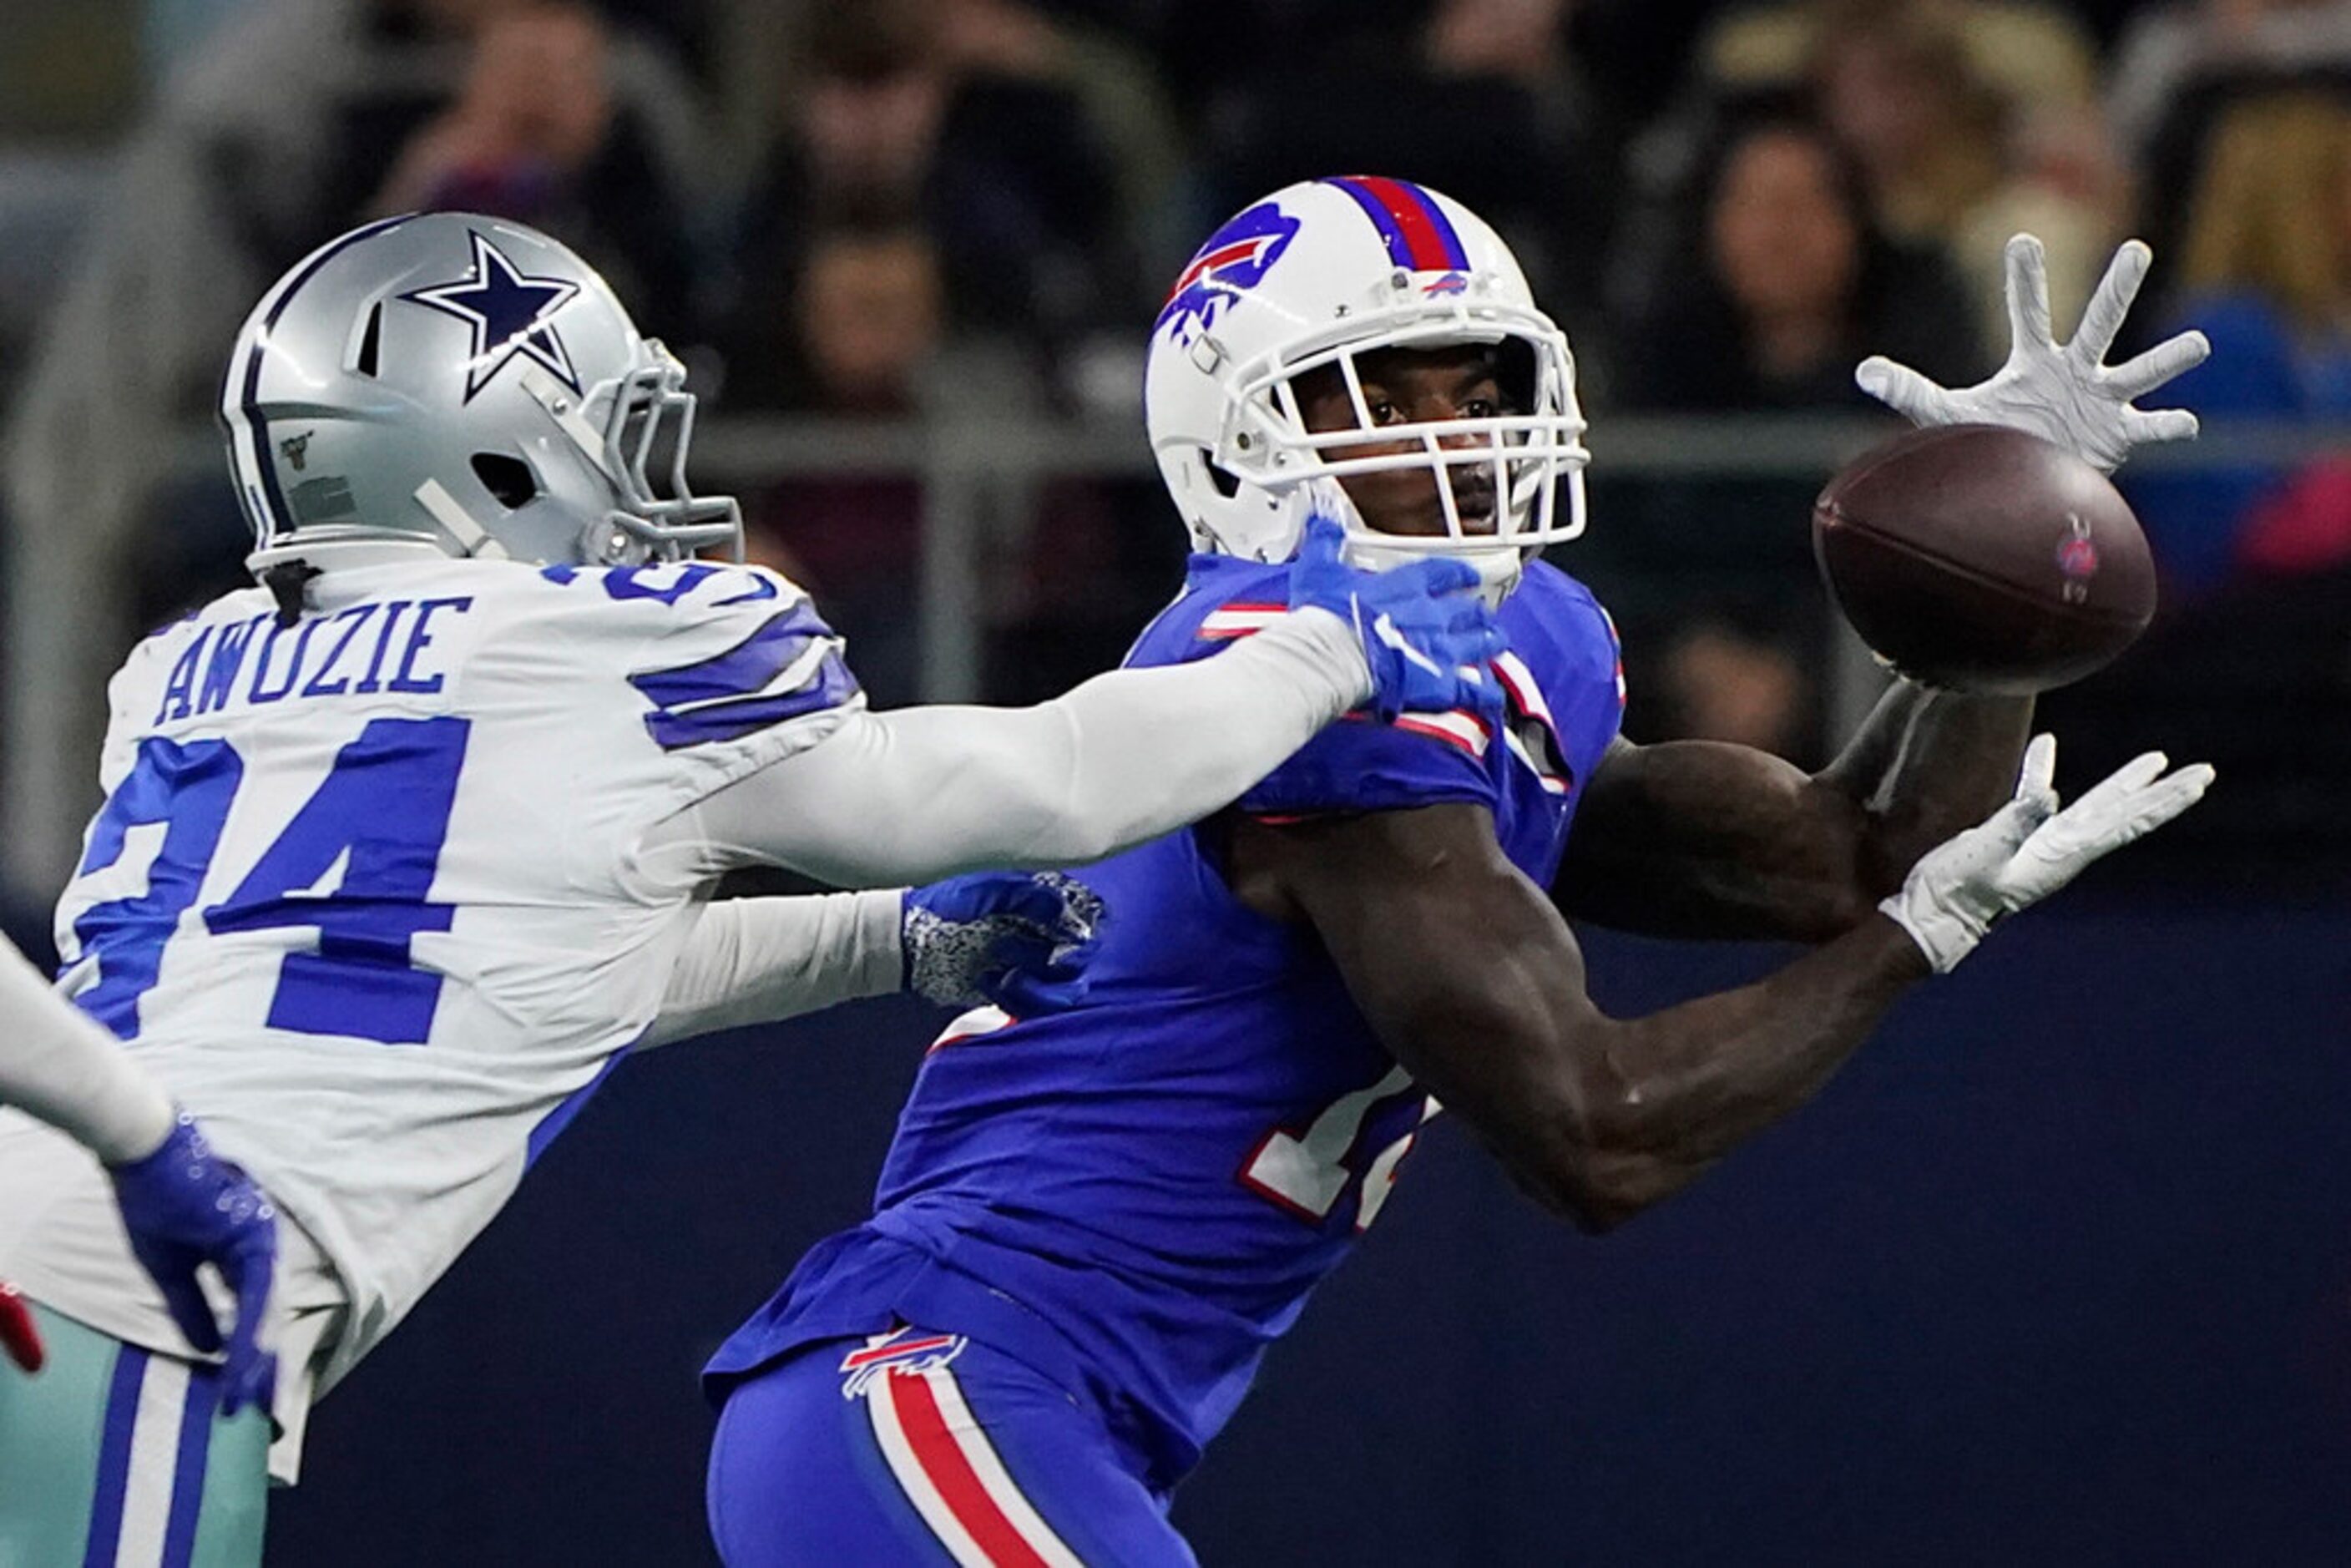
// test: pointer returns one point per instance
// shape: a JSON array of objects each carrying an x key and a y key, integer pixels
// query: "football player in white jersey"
[{"x": 404, "y": 849}]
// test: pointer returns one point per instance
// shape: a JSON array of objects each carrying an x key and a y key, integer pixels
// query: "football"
[{"x": 1984, "y": 559}]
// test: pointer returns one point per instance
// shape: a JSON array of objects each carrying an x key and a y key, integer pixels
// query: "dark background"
[{"x": 2058, "y": 1271}]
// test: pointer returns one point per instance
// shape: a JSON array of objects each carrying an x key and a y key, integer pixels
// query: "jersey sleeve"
[
  {"x": 1361, "y": 764},
  {"x": 739, "y": 671},
  {"x": 1355, "y": 765}
]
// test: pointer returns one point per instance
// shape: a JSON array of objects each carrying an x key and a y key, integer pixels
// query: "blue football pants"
[{"x": 918, "y": 1448}]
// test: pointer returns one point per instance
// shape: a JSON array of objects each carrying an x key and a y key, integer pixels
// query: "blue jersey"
[{"x": 1138, "y": 1194}]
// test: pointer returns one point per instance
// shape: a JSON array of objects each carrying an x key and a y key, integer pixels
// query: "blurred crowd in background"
[{"x": 893, "y": 210}]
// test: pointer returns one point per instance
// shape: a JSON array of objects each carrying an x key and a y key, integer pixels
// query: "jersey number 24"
[{"x": 382, "y": 809}]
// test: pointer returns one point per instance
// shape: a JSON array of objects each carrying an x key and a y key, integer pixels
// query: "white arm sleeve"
[
  {"x": 757, "y": 960},
  {"x": 60, "y": 1065},
  {"x": 923, "y": 793}
]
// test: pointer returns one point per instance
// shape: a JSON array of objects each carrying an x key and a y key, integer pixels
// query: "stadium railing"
[{"x": 967, "y": 470}]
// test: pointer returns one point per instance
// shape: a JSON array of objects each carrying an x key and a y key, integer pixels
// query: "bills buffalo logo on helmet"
[{"x": 1234, "y": 260}]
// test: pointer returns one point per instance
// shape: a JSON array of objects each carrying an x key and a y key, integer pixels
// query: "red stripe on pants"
[{"x": 943, "y": 1462}]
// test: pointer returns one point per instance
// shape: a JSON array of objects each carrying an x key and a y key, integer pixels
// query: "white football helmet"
[
  {"x": 1322, "y": 274},
  {"x": 462, "y": 384}
]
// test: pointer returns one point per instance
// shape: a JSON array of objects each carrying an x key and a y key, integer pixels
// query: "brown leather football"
[{"x": 1983, "y": 558}]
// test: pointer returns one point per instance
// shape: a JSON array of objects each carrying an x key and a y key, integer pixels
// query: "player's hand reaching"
[
  {"x": 2065, "y": 394},
  {"x": 19, "y": 1337},
  {"x": 2029, "y": 849},
  {"x": 1424, "y": 632},
  {"x": 186, "y": 1206},
  {"x": 1018, "y": 940}
]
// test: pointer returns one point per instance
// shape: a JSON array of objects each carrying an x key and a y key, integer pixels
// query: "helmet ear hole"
[
  {"x": 1517, "y": 372},
  {"x": 371, "y": 341},
  {"x": 1228, "y": 483},
  {"x": 508, "y": 479}
]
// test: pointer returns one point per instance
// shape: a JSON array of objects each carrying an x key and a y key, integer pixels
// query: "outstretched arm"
[
  {"x": 1698, "y": 838},
  {"x": 925, "y": 792},
  {"x": 904, "y": 796},
  {"x": 1693, "y": 839},
  {"x": 1022, "y": 942},
  {"x": 1597, "y": 1117},
  {"x": 1601, "y": 1118}
]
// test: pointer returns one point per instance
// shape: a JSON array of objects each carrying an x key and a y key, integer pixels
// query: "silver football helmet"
[{"x": 464, "y": 383}]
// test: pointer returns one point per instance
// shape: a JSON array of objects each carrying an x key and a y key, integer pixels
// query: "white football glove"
[
  {"x": 2027, "y": 849},
  {"x": 2066, "y": 396}
]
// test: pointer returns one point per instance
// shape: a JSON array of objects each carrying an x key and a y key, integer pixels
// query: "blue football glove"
[
  {"x": 1019, "y": 941},
  {"x": 185, "y": 1206},
  {"x": 1424, "y": 632}
]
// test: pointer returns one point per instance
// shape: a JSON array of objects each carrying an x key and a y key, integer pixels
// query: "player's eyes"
[
  {"x": 1481, "y": 408},
  {"x": 1382, "y": 410}
]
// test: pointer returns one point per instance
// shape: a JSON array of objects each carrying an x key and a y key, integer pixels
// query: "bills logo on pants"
[{"x": 941, "y": 1458}]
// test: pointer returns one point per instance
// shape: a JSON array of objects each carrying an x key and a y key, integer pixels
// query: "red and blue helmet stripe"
[{"x": 1420, "y": 238}]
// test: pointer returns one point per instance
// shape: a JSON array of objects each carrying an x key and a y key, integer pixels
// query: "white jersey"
[{"x": 365, "y": 896}]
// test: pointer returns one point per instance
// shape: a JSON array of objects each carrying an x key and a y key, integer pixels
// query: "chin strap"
[{"x": 473, "y": 539}]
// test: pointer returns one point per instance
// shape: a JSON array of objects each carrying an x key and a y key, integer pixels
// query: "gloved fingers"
[
  {"x": 2143, "y": 425},
  {"x": 1321, "y": 542},
  {"x": 1484, "y": 646},
  {"x": 1391, "y": 636},
  {"x": 2102, "y": 798},
  {"x": 1025, "y": 901},
  {"x": 2027, "y": 268},
  {"x": 1901, "y": 389},
  {"x": 1468, "y": 616},
  {"x": 2036, "y": 775},
  {"x": 1083, "y": 911},
  {"x": 1435, "y": 576},
  {"x": 2102, "y": 319},
  {"x": 1474, "y": 691},
  {"x": 1013, "y": 940},
  {"x": 248, "y": 1274},
  {"x": 250, "y": 1381},
  {"x": 2168, "y": 797},
  {"x": 2092, "y": 828},
  {"x": 1025, "y": 996},
  {"x": 1042, "y": 900},
  {"x": 2175, "y": 355},
  {"x": 2021, "y": 818},
  {"x": 1067, "y": 960},
  {"x": 184, "y": 1300},
  {"x": 1038, "y": 977}
]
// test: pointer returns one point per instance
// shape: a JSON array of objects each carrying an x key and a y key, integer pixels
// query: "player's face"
[{"x": 1409, "y": 386}]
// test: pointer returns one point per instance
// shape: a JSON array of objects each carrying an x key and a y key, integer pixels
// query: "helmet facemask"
[
  {"x": 637, "y": 416},
  {"x": 1519, "y": 456}
]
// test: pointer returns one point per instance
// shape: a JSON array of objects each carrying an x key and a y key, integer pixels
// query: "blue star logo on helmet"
[{"x": 510, "y": 313}]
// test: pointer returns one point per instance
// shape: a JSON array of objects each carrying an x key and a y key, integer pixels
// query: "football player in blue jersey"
[{"x": 1094, "y": 1218}]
